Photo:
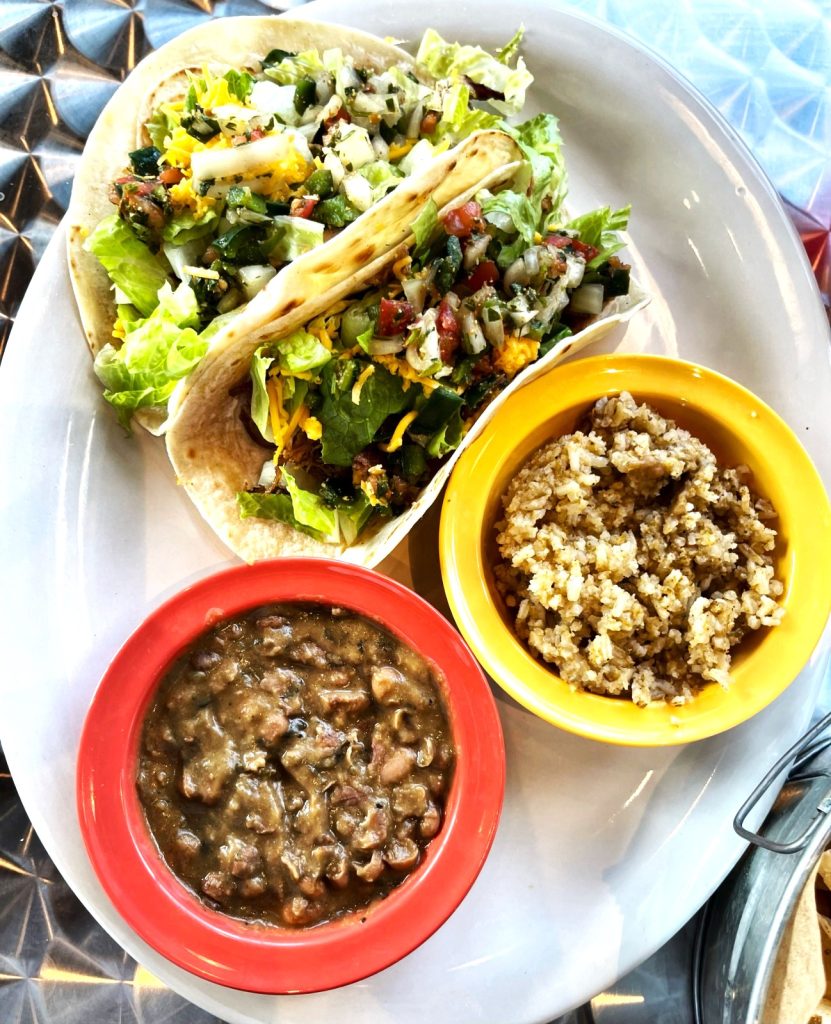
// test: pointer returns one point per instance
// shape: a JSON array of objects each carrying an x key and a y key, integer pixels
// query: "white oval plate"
[{"x": 602, "y": 852}]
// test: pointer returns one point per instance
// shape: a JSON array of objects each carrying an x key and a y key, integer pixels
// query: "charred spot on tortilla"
[{"x": 364, "y": 255}]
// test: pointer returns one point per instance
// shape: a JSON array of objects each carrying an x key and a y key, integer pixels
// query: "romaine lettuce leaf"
[
  {"x": 348, "y": 427},
  {"x": 308, "y": 508},
  {"x": 301, "y": 352},
  {"x": 129, "y": 262},
  {"x": 423, "y": 228},
  {"x": 156, "y": 353},
  {"x": 599, "y": 228},
  {"x": 271, "y": 506},
  {"x": 454, "y": 61},
  {"x": 260, "y": 364}
]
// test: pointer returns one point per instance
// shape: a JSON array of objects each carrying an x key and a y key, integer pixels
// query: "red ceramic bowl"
[{"x": 166, "y": 914}]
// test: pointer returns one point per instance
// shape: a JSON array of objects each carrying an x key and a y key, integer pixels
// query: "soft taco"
[
  {"x": 332, "y": 428},
  {"x": 237, "y": 148}
]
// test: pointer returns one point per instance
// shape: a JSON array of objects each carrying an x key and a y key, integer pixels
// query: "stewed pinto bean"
[{"x": 294, "y": 764}]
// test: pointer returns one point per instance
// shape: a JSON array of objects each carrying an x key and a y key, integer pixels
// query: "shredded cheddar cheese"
[
  {"x": 397, "y": 438},
  {"x": 358, "y": 386},
  {"x": 119, "y": 331},
  {"x": 312, "y": 427},
  {"x": 515, "y": 354},
  {"x": 400, "y": 266},
  {"x": 404, "y": 370},
  {"x": 277, "y": 413},
  {"x": 183, "y": 196},
  {"x": 396, "y": 152}
]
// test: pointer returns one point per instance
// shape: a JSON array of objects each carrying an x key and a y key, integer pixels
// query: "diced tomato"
[
  {"x": 171, "y": 176},
  {"x": 429, "y": 122},
  {"x": 342, "y": 115},
  {"x": 449, "y": 331},
  {"x": 256, "y": 133},
  {"x": 464, "y": 220},
  {"x": 303, "y": 206},
  {"x": 393, "y": 316},
  {"x": 588, "y": 252},
  {"x": 484, "y": 273}
]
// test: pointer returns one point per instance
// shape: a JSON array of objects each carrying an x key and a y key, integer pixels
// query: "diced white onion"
[
  {"x": 588, "y": 298},
  {"x": 494, "y": 330},
  {"x": 413, "y": 129},
  {"x": 354, "y": 147},
  {"x": 387, "y": 346},
  {"x": 475, "y": 250},
  {"x": 334, "y": 167},
  {"x": 517, "y": 273},
  {"x": 268, "y": 474},
  {"x": 532, "y": 261},
  {"x": 472, "y": 337},
  {"x": 382, "y": 150},
  {"x": 254, "y": 278},
  {"x": 415, "y": 288},
  {"x": 323, "y": 88},
  {"x": 575, "y": 269},
  {"x": 358, "y": 191}
]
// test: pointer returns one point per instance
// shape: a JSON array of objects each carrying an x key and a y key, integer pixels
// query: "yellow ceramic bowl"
[{"x": 739, "y": 428}]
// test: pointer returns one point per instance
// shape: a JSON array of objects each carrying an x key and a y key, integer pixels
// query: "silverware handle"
[{"x": 805, "y": 747}]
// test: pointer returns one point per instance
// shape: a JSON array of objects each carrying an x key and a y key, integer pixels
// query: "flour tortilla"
[
  {"x": 214, "y": 456},
  {"x": 233, "y": 42},
  {"x": 797, "y": 983}
]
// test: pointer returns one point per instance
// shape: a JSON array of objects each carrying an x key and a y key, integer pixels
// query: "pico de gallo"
[{"x": 358, "y": 409}]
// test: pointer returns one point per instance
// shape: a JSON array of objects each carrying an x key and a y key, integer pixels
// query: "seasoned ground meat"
[{"x": 294, "y": 764}]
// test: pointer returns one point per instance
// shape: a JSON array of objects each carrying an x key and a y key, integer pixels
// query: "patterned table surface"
[{"x": 765, "y": 65}]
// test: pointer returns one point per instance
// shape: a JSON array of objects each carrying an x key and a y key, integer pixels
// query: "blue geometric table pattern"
[{"x": 765, "y": 65}]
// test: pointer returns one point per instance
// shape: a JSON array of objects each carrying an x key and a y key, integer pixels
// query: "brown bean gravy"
[{"x": 294, "y": 764}]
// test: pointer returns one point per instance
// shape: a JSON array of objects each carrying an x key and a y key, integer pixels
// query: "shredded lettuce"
[
  {"x": 160, "y": 125},
  {"x": 454, "y": 61},
  {"x": 423, "y": 228},
  {"x": 599, "y": 228},
  {"x": 382, "y": 177},
  {"x": 301, "y": 352},
  {"x": 309, "y": 509},
  {"x": 129, "y": 262},
  {"x": 299, "y": 65},
  {"x": 542, "y": 145},
  {"x": 516, "y": 208},
  {"x": 156, "y": 353},
  {"x": 458, "y": 118},
  {"x": 292, "y": 236},
  {"x": 507, "y": 52},
  {"x": 185, "y": 227}
]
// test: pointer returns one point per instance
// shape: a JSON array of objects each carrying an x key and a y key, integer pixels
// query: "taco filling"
[
  {"x": 250, "y": 167},
  {"x": 359, "y": 408}
]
